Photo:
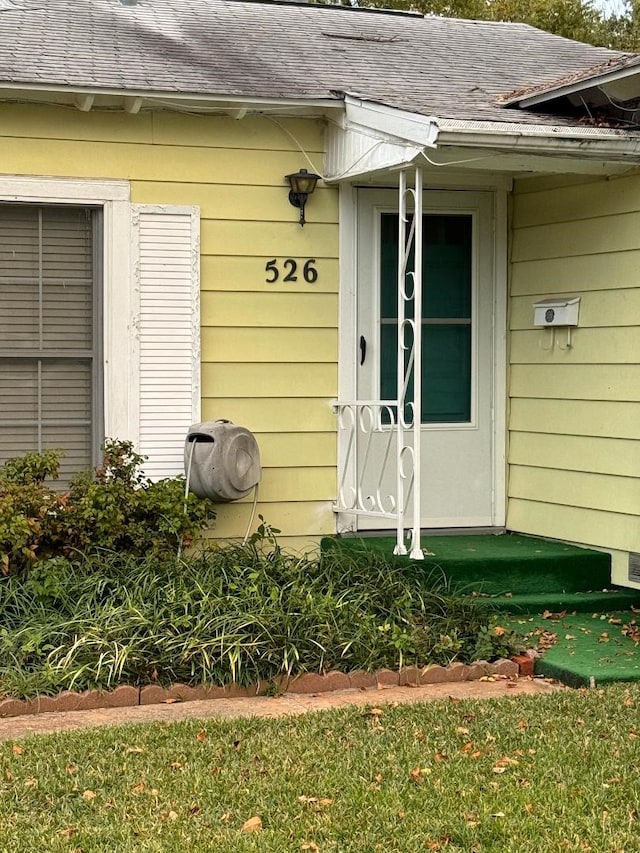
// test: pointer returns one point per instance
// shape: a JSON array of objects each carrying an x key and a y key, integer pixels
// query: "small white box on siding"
[{"x": 556, "y": 312}]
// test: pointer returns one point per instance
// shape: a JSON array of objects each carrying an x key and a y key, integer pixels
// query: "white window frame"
[{"x": 120, "y": 297}]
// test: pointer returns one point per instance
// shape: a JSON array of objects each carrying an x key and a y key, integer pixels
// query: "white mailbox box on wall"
[{"x": 556, "y": 312}]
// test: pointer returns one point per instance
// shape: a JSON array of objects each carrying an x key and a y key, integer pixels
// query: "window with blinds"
[{"x": 50, "y": 343}]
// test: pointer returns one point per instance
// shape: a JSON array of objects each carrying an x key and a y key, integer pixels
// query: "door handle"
[{"x": 363, "y": 349}]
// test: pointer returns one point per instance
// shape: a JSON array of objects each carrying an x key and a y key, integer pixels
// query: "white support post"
[
  {"x": 416, "y": 550},
  {"x": 400, "y": 547}
]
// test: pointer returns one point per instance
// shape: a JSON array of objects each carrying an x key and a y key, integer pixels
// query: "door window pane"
[{"x": 446, "y": 315}]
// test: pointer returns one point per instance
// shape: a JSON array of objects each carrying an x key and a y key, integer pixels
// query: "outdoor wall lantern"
[{"x": 302, "y": 184}]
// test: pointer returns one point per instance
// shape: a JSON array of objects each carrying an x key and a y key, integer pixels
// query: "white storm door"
[{"x": 457, "y": 430}]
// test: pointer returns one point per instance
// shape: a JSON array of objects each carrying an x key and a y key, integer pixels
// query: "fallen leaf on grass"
[
  {"x": 89, "y": 795},
  {"x": 432, "y": 844},
  {"x": 31, "y": 782},
  {"x": 17, "y": 749},
  {"x": 506, "y": 761},
  {"x": 418, "y": 772},
  {"x": 316, "y": 802},
  {"x": 68, "y": 831},
  {"x": 201, "y": 736},
  {"x": 374, "y": 712},
  {"x": 309, "y": 845},
  {"x": 171, "y": 815},
  {"x": 252, "y": 825}
]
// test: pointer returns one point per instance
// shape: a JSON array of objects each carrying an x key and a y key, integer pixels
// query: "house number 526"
[{"x": 289, "y": 270}]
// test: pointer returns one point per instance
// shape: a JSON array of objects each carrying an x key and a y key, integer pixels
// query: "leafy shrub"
[
  {"x": 115, "y": 508},
  {"x": 233, "y": 614},
  {"x": 27, "y": 508}
]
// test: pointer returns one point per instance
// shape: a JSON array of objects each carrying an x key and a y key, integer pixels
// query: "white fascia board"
[
  {"x": 571, "y": 88},
  {"x": 584, "y": 142},
  {"x": 390, "y": 123},
  {"x": 152, "y": 97}
]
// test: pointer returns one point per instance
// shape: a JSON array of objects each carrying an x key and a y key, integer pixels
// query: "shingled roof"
[{"x": 442, "y": 67}]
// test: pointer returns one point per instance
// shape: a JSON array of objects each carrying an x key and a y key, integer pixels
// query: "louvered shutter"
[
  {"x": 166, "y": 240},
  {"x": 49, "y": 344}
]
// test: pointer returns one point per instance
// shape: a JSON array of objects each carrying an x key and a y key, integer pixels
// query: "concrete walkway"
[{"x": 16, "y": 728}]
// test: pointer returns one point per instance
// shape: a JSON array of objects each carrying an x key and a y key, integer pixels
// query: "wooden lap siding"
[
  {"x": 269, "y": 352},
  {"x": 574, "y": 424}
]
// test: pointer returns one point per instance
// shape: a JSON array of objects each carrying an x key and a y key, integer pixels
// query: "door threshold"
[{"x": 429, "y": 531}]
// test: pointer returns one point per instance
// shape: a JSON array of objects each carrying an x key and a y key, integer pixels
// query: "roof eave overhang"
[
  {"x": 551, "y": 93},
  {"x": 587, "y": 143},
  {"x": 372, "y": 139},
  {"x": 86, "y": 98}
]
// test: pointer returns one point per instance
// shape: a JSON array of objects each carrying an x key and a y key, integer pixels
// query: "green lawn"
[{"x": 539, "y": 773}]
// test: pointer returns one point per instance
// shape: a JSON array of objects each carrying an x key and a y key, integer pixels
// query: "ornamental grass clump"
[{"x": 238, "y": 613}]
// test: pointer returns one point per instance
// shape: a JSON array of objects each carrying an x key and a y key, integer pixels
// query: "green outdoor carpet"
[
  {"x": 590, "y": 649},
  {"x": 525, "y": 578},
  {"x": 497, "y": 564}
]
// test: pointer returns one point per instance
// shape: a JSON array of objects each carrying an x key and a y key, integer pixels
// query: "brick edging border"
[{"x": 127, "y": 696}]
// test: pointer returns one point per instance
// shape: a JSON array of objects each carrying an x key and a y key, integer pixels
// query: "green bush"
[
  {"x": 116, "y": 508},
  {"x": 233, "y": 614},
  {"x": 28, "y": 508}
]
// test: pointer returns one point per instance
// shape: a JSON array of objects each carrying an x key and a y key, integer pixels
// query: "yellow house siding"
[
  {"x": 574, "y": 415},
  {"x": 269, "y": 351}
]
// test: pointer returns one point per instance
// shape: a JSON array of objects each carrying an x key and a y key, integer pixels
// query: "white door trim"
[{"x": 347, "y": 340}]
